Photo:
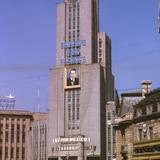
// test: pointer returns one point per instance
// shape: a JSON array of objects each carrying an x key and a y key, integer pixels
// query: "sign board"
[
  {"x": 72, "y": 77},
  {"x": 70, "y": 44},
  {"x": 74, "y": 139},
  {"x": 7, "y": 102},
  {"x": 72, "y": 52}
]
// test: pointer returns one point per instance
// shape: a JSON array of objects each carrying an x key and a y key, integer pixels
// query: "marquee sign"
[
  {"x": 75, "y": 139},
  {"x": 69, "y": 148}
]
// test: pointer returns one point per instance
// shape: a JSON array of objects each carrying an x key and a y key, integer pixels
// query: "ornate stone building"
[{"x": 138, "y": 131}]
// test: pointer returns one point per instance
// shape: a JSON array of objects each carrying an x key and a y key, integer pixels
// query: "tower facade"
[{"x": 81, "y": 84}]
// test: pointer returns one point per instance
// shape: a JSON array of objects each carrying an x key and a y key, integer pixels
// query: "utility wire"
[{"x": 21, "y": 80}]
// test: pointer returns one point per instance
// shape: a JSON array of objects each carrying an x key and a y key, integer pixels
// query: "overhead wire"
[{"x": 22, "y": 80}]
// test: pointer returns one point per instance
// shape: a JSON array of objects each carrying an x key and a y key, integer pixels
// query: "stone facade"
[
  {"x": 14, "y": 134},
  {"x": 138, "y": 133}
]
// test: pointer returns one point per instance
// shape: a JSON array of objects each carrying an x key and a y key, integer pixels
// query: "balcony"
[
  {"x": 153, "y": 137},
  {"x": 149, "y": 148}
]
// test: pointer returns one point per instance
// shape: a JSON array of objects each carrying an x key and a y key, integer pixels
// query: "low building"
[
  {"x": 14, "y": 134},
  {"x": 138, "y": 132},
  {"x": 110, "y": 132},
  {"x": 39, "y": 137}
]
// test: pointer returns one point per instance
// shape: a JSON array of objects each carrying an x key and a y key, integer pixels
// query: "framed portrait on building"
[{"x": 72, "y": 77}]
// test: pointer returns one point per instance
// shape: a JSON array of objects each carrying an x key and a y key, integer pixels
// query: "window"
[
  {"x": 158, "y": 106},
  {"x": 100, "y": 60},
  {"x": 1, "y": 132},
  {"x": 100, "y": 50},
  {"x": 73, "y": 127},
  {"x": 109, "y": 115},
  {"x": 69, "y": 111},
  {"x": 77, "y": 111},
  {"x": 17, "y": 152},
  {"x": 69, "y": 35},
  {"x": 73, "y": 108},
  {"x": 12, "y": 152},
  {"x": 100, "y": 43},
  {"x": 151, "y": 132},
  {"x": 100, "y": 54},
  {"x": 23, "y": 152},
  {"x": 74, "y": 5},
  {"x": 109, "y": 135},
  {"x": 149, "y": 109},
  {"x": 23, "y": 128},
  {"x": 139, "y": 112},
  {"x": 70, "y": 8},
  {"x": 23, "y": 137},
  {"x": 6, "y": 152},
  {"x": 140, "y": 134},
  {"x": 18, "y": 133},
  {"x": 155, "y": 107},
  {"x": 6, "y": 136},
  {"x": 7, "y": 126},
  {"x": 73, "y": 111},
  {"x": 0, "y": 152},
  {"x": 12, "y": 133}
]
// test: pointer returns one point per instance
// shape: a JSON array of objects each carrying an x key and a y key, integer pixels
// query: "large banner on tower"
[{"x": 72, "y": 76}]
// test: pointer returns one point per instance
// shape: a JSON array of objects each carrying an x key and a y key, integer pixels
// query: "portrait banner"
[{"x": 72, "y": 77}]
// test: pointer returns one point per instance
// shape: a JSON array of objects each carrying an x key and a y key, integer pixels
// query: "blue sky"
[{"x": 27, "y": 46}]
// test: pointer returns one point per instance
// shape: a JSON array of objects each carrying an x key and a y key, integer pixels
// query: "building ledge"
[
  {"x": 147, "y": 143},
  {"x": 143, "y": 156}
]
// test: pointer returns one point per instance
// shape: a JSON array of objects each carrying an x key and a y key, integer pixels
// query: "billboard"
[
  {"x": 72, "y": 77},
  {"x": 72, "y": 52},
  {"x": 7, "y": 102}
]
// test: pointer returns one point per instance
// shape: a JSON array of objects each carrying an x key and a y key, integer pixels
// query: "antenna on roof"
[{"x": 37, "y": 107}]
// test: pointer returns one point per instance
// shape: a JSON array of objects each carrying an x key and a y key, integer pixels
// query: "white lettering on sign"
[
  {"x": 75, "y": 139},
  {"x": 73, "y": 52},
  {"x": 73, "y": 44},
  {"x": 72, "y": 148},
  {"x": 73, "y": 60}
]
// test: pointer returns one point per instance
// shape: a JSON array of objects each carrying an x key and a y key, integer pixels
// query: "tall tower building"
[{"x": 81, "y": 84}]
